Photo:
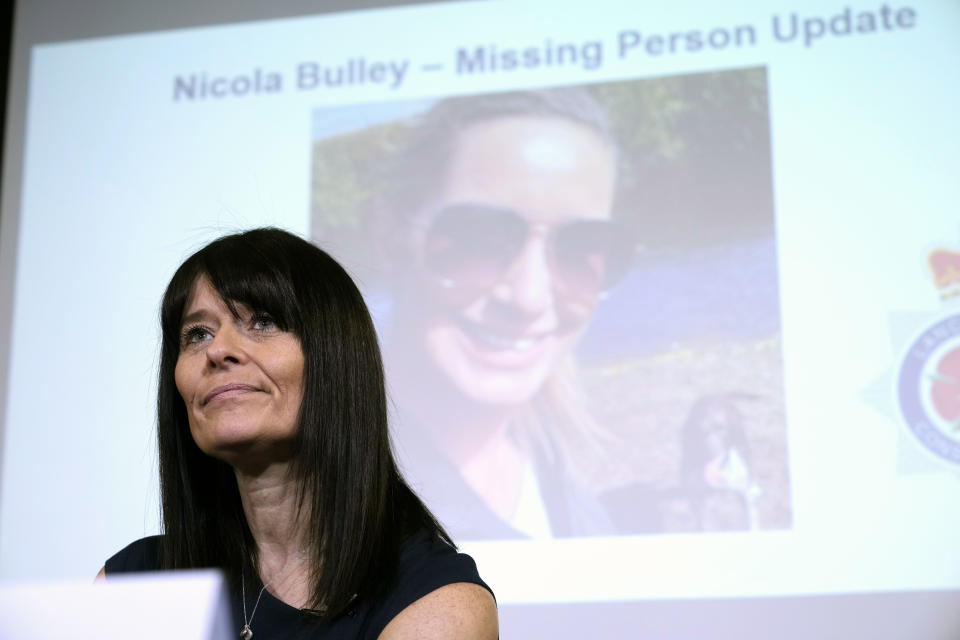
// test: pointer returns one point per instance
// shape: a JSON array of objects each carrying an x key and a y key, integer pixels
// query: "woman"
[
  {"x": 275, "y": 461},
  {"x": 500, "y": 231}
]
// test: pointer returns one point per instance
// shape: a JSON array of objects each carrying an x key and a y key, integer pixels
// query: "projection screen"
[{"x": 667, "y": 294}]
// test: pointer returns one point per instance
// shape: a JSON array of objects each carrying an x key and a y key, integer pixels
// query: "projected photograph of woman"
[{"x": 518, "y": 265}]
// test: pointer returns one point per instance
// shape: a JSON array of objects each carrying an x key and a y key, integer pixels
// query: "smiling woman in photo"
[{"x": 501, "y": 237}]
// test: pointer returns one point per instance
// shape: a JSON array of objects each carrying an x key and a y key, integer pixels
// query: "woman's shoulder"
[
  {"x": 140, "y": 555},
  {"x": 427, "y": 564}
]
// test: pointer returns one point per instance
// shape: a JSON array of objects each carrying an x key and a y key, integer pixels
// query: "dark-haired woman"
[{"x": 275, "y": 461}]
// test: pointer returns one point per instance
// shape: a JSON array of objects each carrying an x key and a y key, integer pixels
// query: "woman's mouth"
[
  {"x": 496, "y": 340},
  {"x": 500, "y": 348},
  {"x": 230, "y": 390}
]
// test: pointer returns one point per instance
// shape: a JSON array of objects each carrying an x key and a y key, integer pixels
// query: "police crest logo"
[
  {"x": 928, "y": 380},
  {"x": 928, "y": 388}
]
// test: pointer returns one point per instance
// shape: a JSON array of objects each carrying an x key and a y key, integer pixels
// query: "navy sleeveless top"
[{"x": 426, "y": 564}]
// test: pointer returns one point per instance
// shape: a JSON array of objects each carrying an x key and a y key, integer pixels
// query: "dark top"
[{"x": 426, "y": 564}]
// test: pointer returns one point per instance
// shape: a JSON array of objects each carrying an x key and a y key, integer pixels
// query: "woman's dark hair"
[
  {"x": 421, "y": 164},
  {"x": 358, "y": 506}
]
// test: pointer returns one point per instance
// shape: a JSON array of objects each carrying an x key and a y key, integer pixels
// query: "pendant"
[{"x": 246, "y": 633}]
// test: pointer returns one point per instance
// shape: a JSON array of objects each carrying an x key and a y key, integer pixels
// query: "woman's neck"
[
  {"x": 458, "y": 427},
  {"x": 475, "y": 437},
  {"x": 279, "y": 527}
]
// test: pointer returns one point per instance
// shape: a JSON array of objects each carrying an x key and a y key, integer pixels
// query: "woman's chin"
[
  {"x": 238, "y": 446},
  {"x": 502, "y": 387}
]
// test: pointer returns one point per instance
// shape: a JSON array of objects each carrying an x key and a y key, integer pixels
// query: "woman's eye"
[
  {"x": 195, "y": 335},
  {"x": 263, "y": 322}
]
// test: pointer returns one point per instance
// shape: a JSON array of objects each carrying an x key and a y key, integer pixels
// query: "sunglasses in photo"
[{"x": 469, "y": 248}]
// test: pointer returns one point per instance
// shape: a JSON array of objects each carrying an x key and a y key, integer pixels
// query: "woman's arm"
[
  {"x": 101, "y": 575},
  {"x": 460, "y": 611}
]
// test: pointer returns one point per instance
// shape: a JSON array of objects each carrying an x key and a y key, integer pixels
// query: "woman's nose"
[
  {"x": 528, "y": 283},
  {"x": 226, "y": 347}
]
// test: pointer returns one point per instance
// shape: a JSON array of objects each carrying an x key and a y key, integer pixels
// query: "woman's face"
[
  {"x": 498, "y": 342},
  {"x": 241, "y": 379}
]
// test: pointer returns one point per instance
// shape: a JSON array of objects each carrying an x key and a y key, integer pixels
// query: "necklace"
[{"x": 246, "y": 633}]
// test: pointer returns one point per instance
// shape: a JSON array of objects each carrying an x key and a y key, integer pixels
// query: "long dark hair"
[{"x": 359, "y": 507}]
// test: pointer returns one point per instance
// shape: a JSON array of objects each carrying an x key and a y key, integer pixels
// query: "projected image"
[{"x": 577, "y": 293}]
